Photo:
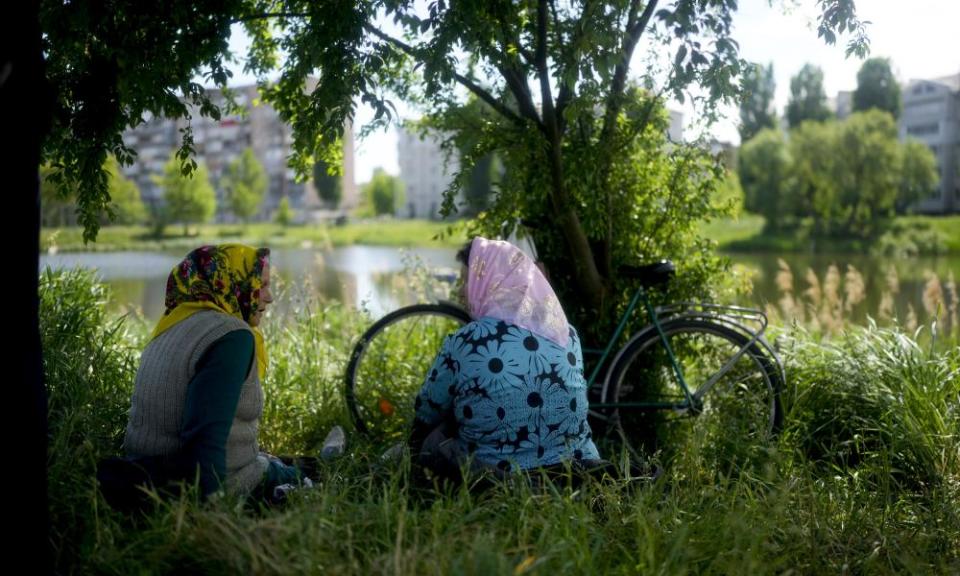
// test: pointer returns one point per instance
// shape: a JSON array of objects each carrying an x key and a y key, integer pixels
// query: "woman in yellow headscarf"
[
  {"x": 230, "y": 278},
  {"x": 198, "y": 399}
]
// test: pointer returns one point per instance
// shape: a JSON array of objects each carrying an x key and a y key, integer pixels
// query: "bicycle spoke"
[
  {"x": 734, "y": 407},
  {"x": 384, "y": 379}
]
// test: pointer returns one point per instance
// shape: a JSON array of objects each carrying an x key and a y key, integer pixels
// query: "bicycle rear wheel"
[
  {"x": 389, "y": 365},
  {"x": 739, "y": 414}
]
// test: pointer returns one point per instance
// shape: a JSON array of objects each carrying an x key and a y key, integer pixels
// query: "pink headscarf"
[{"x": 504, "y": 283}]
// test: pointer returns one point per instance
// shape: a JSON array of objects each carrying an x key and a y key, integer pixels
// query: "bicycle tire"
[
  {"x": 740, "y": 413},
  {"x": 376, "y": 394}
]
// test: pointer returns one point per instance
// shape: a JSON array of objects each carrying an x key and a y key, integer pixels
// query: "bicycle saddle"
[{"x": 650, "y": 274}]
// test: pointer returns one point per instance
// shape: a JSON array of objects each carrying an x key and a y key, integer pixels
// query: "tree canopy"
[{"x": 570, "y": 106}]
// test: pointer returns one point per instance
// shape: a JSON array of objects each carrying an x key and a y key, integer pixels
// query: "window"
[
  {"x": 924, "y": 129},
  {"x": 924, "y": 106}
]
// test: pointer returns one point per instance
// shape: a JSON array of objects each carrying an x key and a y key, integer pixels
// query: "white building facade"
[{"x": 425, "y": 174}]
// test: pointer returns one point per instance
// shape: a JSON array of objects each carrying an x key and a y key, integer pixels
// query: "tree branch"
[
  {"x": 529, "y": 56},
  {"x": 267, "y": 15},
  {"x": 515, "y": 75},
  {"x": 566, "y": 90},
  {"x": 488, "y": 98},
  {"x": 517, "y": 83},
  {"x": 573, "y": 58},
  {"x": 411, "y": 51},
  {"x": 463, "y": 80},
  {"x": 543, "y": 72},
  {"x": 635, "y": 29},
  {"x": 556, "y": 26}
]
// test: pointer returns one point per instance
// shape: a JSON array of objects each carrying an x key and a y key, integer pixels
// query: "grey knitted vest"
[{"x": 167, "y": 365}]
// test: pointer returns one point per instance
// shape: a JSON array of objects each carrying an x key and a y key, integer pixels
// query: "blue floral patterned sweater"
[{"x": 519, "y": 400}]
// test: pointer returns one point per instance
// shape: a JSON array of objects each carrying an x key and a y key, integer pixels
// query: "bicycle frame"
[{"x": 734, "y": 317}]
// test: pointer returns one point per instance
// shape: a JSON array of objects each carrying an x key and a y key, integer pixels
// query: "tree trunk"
[
  {"x": 589, "y": 283},
  {"x": 23, "y": 95}
]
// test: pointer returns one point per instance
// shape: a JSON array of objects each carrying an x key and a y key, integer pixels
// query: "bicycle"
[{"x": 697, "y": 369}]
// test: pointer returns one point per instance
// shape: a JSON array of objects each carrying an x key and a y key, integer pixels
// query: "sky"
[{"x": 921, "y": 37}]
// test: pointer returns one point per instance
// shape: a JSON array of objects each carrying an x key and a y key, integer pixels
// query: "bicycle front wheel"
[
  {"x": 389, "y": 365},
  {"x": 736, "y": 407}
]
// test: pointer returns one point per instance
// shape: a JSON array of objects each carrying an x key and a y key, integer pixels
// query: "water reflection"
[
  {"x": 373, "y": 277},
  {"x": 370, "y": 277}
]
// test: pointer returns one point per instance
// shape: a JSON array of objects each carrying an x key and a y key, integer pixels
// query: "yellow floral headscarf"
[{"x": 226, "y": 278}]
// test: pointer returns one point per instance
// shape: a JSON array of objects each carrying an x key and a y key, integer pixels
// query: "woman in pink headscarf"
[{"x": 507, "y": 390}]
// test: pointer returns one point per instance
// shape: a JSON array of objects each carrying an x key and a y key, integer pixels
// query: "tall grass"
[
  {"x": 864, "y": 480},
  {"x": 875, "y": 403},
  {"x": 826, "y": 306}
]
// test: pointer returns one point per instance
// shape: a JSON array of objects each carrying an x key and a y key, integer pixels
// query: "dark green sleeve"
[{"x": 212, "y": 398}]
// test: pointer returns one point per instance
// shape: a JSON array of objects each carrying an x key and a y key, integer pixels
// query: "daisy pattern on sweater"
[{"x": 519, "y": 399}]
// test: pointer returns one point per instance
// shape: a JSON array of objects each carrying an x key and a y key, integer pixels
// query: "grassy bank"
[
  {"x": 388, "y": 232},
  {"x": 908, "y": 236},
  {"x": 864, "y": 479}
]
